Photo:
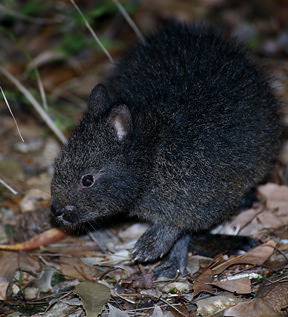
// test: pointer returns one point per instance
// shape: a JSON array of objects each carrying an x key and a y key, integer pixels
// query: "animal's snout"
[
  {"x": 60, "y": 212},
  {"x": 56, "y": 210}
]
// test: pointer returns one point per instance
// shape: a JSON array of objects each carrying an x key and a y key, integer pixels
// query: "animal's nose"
[{"x": 56, "y": 210}]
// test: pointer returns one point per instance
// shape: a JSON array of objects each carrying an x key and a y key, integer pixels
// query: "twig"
[
  {"x": 129, "y": 20},
  {"x": 35, "y": 104},
  {"x": 96, "y": 38},
  {"x": 13, "y": 191},
  {"x": 170, "y": 305},
  {"x": 9, "y": 108},
  {"x": 126, "y": 299}
]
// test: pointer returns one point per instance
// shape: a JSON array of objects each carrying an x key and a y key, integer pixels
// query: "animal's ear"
[
  {"x": 121, "y": 120},
  {"x": 99, "y": 100}
]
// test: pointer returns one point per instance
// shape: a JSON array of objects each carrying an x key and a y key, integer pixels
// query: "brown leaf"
[
  {"x": 201, "y": 282},
  {"x": 10, "y": 262},
  {"x": 181, "y": 311},
  {"x": 255, "y": 307},
  {"x": 74, "y": 268},
  {"x": 199, "y": 287},
  {"x": 246, "y": 221},
  {"x": 253, "y": 221},
  {"x": 240, "y": 285},
  {"x": 271, "y": 300},
  {"x": 42, "y": 239},
  {"x": 139, "y": 280},
  {"x": 256, "y": 256},
  {"x": 276, "y": 295},
  {"x": 206, "y": 276}
]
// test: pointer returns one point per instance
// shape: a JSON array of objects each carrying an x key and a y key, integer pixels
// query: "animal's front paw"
[
  {"x": 147, "y": 250},
  {"x": 176, "y": 260},
  {"x": 154, "y": 243}
]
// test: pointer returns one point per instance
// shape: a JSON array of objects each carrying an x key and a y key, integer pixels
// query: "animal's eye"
[{"x": 87, "y": 180}]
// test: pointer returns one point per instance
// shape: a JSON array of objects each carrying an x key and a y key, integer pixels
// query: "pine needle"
[
  {"x": 129, "y": 20},
  {"x": 96, "y": 38},
  {"x": 41, "y": 90},
  {"x": 9, "y": 108}
]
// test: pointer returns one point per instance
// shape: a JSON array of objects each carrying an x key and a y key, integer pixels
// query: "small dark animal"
[{"x": 184, "y": 126}]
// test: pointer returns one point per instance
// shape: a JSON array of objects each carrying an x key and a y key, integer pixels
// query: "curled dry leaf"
[
  {"x": 256, "y": 256},
  {"x": 42, "y": 239}
]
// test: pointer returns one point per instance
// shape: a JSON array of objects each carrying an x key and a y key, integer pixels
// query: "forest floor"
[{"x": 47, "y": 48}]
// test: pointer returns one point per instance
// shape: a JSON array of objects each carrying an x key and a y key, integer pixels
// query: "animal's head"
[{"x": 93, "y": 176}]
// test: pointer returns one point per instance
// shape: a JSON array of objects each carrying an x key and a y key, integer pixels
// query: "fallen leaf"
[
  {"x": 270, "y": 300},
  {"x": 183, "y": 287},
  {"x": 199, "y": 287},
  {"x": 11, "y": 262},
  {"x": 202, "y": 282},
  {"x": 240, "y": 285},
  {"x": 32, "y": 198},
  {"x": 256, "y": 256},
  {"x": 252, "y": 221},
  {"x": 115, "y": 312},
  {"x": 276, "y": 295},
  {"x": 94, "y": 297},
  {"x": 139, "y": 280},
  {"x": 3, "y": 287},
  {"x": 276, "y": 196},
  {"x": 157, "y": 312},
  {"x": 74, "y": 268},
  {"x": 255, "y": 307},
  {"x": 215, "y": 304},
  {"x": 44, "y": 279}
]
